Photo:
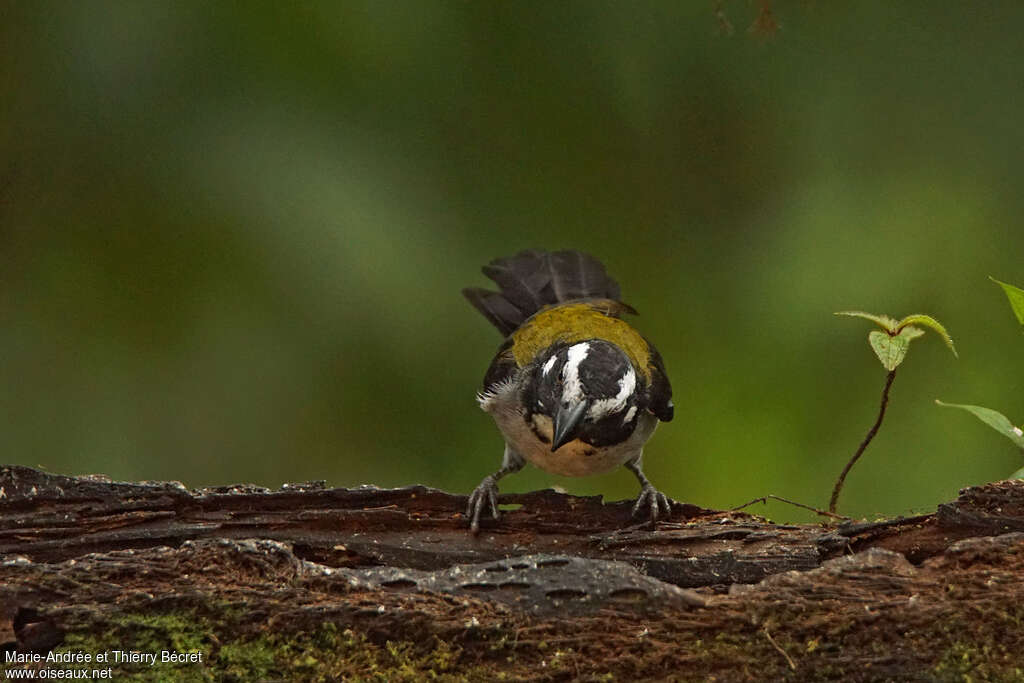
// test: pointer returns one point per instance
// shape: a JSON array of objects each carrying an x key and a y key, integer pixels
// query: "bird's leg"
[
  {"x": 486, "y": 494},
  {"x": 650, "y": 497}
]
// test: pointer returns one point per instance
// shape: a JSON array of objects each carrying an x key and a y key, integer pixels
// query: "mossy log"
[{"x": 152, "y": 581}]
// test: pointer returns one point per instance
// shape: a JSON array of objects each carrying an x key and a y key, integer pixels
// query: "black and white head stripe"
[
  {"x": 594, "y": 371},
  {"x": 572, "y": 387},
  {"x": 603, "y": 407}
]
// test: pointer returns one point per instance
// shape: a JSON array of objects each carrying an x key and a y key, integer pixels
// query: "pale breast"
[{"x": 576, "y": 458}]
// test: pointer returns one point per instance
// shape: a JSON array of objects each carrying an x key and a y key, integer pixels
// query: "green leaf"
[
  {"x": 911, "y": 332},
  {"x": 1016, "y": 297},
  {"x": 928, "y": 321},
  {"x": 892, "y": 349},
  {"x": 891, "y": 346},
  {"x": 1019, "y": 474},
  {"x": 883, "y": 321},
  {"x": 993, "y": 419}
]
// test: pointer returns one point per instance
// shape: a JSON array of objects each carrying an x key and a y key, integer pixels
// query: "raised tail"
[{"x": 533, "y": 279}]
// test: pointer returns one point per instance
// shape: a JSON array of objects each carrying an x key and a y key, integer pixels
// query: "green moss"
[
  {"x": 980, "y": 643},
  {"x": 985, "y": 647},
  {"x": 149, "y": 633},
  {"x": 969, "y": 662},
  {"x": 247, "y": 659},
  {"x": 324, "y": 654}
]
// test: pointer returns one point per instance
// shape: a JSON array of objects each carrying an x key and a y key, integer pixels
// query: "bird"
[{"x": 574, "y": 389}]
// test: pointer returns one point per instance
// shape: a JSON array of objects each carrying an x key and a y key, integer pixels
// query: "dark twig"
[
  {"x": 764, "y": 499},
  {"x": 863, "y": 444}
]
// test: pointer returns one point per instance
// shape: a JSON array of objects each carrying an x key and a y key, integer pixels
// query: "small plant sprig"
[
  {"x": 996, "y": 421},
  {"x": 890, "y": 344},
  {"x": 1016, "y": 297},
  {"x": 992, "y": 418}
]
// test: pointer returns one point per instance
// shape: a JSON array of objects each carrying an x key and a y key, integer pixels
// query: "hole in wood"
[
  {"x": 628, "y": 595},
  {"x": 566, "y": 594},
  {"x": 552, "y": 563}
]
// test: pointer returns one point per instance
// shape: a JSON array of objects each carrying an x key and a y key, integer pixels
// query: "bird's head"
[{"x": 588, "y": 391}]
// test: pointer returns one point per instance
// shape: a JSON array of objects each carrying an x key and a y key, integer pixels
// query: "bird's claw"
[
  {"x": 484, "y": 495},
  {"x": 656, "y": 501}
]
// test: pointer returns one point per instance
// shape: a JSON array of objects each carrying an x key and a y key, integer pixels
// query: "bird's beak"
[{"x": 566, "y": 421}]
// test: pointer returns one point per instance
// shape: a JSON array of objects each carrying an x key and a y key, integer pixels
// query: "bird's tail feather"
[{"x": 533, "y": 279}]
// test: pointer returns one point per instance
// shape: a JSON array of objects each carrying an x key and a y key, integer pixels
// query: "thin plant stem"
[
  {"x": 778, "y": 648},
  {"x": 863, "y": 444},
  {"x": 764, "y": 499}
]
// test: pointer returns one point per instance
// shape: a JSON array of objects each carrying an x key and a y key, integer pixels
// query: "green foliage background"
[{"x": 233, "y": 234}]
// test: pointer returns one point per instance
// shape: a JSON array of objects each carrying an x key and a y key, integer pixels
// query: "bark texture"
[{"x": 311, "y": 583}]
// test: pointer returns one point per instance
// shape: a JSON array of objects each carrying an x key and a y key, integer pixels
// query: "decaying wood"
[{"x": 307, "y": 583}]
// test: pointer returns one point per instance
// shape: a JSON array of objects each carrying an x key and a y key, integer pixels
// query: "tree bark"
[{"x": 311, "y": 583}]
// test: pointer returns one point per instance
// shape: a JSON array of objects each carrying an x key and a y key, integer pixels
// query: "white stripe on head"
[
  {"x": 607, "y": 406},
  {"x": 572, "y": 390},
  {"x": 550, "y": 364},
  {"x": 630, "y": 414}
]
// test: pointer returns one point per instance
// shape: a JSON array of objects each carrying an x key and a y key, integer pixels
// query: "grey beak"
[{"x": 566, "y": 421}]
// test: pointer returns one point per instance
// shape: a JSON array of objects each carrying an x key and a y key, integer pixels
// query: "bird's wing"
[
  {"x": 503, "y": 367},
  {"x": 660, "y": 390}
]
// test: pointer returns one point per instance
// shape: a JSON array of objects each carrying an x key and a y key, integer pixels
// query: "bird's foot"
[
  {"x": 484, "y": 496},
  {"x": 654, "y": 501}
]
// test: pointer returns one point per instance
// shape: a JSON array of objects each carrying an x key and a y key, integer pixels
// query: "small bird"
[{"x": 574, "y": 389}]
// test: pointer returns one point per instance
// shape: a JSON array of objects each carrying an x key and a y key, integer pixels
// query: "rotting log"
[{"x": 311, "y": 583}]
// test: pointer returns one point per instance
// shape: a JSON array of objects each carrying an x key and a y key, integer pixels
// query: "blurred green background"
[{"x": 233, "y": 234}]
